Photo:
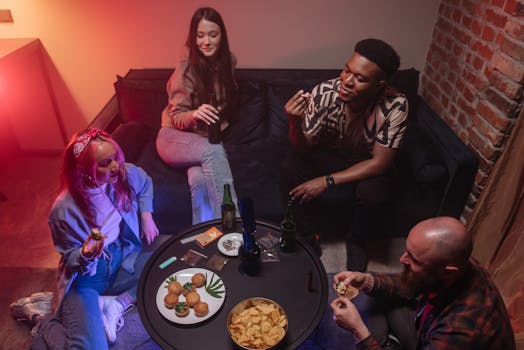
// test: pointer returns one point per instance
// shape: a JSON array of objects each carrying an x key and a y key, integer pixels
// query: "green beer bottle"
[
  {"x": 288, "y": 230},
  {"x": 228, "y": 211}
]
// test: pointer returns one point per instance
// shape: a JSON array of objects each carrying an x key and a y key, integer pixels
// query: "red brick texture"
[{"x": 474, "y": 76}]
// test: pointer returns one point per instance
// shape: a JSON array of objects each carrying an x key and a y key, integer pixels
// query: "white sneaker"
[
  {"x": 104, "y": 301},
  {"x": 112, "y": 316},
  {"x": 38, "y": 304}
]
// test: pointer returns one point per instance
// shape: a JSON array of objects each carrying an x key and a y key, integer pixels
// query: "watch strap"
[{"x": 330, "y": 181}]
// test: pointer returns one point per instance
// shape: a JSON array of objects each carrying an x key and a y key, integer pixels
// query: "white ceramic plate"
[
  {"x": 229, "y": 244},
  {"x": 184, "y": 276}
]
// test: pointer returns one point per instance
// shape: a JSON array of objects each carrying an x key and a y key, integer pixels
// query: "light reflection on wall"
[{"x": 27, "y": 102}]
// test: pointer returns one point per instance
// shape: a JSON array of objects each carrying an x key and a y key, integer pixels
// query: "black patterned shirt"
[{"x": 325, "y": 118}]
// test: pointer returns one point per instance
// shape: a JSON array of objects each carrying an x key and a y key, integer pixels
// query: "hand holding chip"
[{"x": 357, "y": 280}]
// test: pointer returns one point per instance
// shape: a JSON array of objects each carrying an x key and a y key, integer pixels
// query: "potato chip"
[
  {"x": 268, "y": 340},
  {"x": 257, "y": 324}
]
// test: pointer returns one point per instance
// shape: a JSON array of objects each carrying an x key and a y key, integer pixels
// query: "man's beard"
[{"x": 419, "y": 283}]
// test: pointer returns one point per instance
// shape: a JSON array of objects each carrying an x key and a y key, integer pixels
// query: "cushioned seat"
[{"x": 435, "y": 170}]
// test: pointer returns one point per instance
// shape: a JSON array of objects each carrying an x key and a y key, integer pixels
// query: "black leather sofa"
[{"x": 435, "y": 169}]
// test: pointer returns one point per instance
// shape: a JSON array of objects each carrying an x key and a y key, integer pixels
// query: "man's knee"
[
  {"x": 374, "y": 192},
  {"x": 293, "y": 171}
]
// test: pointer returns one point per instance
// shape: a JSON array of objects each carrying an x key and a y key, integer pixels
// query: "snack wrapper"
[{"x": 208, "y": 236}]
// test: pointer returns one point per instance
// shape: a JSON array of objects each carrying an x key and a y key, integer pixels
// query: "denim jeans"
[
  {"x": 78, "y": 322},
  {"x": 207, "y": 166}
]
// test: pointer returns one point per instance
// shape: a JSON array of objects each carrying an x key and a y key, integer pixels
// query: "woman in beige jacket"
[{"x": 207, "y": 67}]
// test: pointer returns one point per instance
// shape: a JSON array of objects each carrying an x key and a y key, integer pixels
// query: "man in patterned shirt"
[
  {"x": 458, "y": 305},
  {"x": 346, "y": 134}
]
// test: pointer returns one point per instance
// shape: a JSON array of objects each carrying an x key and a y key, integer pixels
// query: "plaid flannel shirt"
[{"x": 469, "y": 315}]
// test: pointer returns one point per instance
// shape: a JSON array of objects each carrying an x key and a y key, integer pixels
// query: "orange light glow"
[{"x": 28, "y": 105}]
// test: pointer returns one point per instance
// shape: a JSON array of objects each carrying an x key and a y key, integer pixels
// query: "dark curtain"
[{"x": 497, "y": 225}]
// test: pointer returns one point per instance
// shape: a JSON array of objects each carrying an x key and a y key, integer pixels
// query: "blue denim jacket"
[{"x": 70, "y": 229}]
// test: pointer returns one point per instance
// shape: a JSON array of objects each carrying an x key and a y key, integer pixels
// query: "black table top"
[{"x": 285, "y": 282}]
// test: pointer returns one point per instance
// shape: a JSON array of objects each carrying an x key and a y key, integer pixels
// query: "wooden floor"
[{"x": 28, "y": 260}]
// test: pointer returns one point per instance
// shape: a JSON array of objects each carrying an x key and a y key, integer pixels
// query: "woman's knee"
[
  {"x": 214, "y": 152},
  {"x": 81, "y": 318},
  {"x": 195, "y": 177}
]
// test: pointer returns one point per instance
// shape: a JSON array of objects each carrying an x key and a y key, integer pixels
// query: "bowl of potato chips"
[{"x": 257, "y": 324}]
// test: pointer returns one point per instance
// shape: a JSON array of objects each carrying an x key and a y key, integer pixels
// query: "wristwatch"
[{"x": 330, "y": 181}]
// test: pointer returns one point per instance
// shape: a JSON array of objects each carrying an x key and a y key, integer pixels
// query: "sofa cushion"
[
  {"x": 141, "y": 100},
  {"x": 249, "y": 122},
  {"x": 435, "y": 178},
  {"x": 172, "y": 198},
  {"x": 421, "y": 157},
  {"x": 406, "y": 81},
  {"x": 132, "y": 137}
]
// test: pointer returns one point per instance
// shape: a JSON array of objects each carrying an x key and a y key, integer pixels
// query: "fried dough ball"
[
  {"x": 346, "y": 291},
  {"x": 341, "y": 288},
  {"x": 170, "y": 300},
  {"x": 198, "y": 280},
  {"x": 201, "y": 309},
  {"x": 187, "y": 288},
  {"x": 192, "y": 298},
  {"x": 174, "y": 287},
  {"x": 181, "y": 309}
]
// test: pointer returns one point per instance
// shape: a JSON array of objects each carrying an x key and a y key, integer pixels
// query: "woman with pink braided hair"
[{"x": 97, "y": 222}]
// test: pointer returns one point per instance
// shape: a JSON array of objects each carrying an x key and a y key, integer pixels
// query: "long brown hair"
[
  {"x": 202, "y": 68},
  {"x": 79, "y": 171}
]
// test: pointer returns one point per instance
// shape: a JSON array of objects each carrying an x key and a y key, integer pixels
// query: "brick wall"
[{"x": 474, "y": 75}]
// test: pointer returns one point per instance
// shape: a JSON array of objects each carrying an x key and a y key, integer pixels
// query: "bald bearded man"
[{"x": 457, "y": 304}]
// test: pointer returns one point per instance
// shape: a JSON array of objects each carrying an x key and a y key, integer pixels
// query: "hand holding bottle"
[
  {"x": 207, "y": 114},
  {"x": 214, "y": 133}
]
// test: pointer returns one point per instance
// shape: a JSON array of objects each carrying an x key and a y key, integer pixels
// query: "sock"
[
  {"x": 126, "y": 300},
  {"x": 35, "y": 319}
]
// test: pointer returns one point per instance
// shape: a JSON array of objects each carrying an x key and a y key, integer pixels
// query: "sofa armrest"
[
  {"x": 460, "y": 162},
  {"x": 109, "y": 117},
  {"x": 132, "y": 137}
]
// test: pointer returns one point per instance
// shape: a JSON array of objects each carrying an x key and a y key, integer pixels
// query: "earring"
[{"x": 89, "y": 181}]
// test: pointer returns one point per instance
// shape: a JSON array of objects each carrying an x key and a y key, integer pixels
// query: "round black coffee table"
[{"x": 298, "y": 282}]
